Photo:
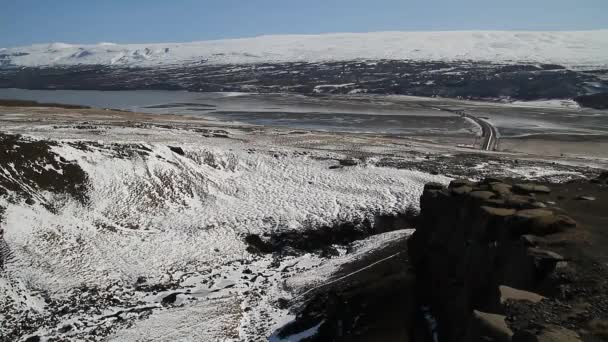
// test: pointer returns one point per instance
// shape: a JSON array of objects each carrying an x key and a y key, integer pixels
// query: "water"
[{"x": 293, "y": 111}]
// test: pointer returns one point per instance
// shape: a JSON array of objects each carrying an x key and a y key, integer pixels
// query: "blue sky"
[{"x": 25, "y": 22}]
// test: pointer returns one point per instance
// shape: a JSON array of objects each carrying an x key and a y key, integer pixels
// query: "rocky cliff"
[{"x": 500, "y": 262}]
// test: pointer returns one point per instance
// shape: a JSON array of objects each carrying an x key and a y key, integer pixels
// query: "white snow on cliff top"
[{"x": 574, "y": 48}]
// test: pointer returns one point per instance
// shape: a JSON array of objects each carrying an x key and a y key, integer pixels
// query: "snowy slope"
[
  {"x": 178, "y": 222},
  {"x": 580, "y": 48}
]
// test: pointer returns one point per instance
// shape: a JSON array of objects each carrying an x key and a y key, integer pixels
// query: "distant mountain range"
[
  {"x": 477, "y": 65},
  {"x": 580, "y": 48}
]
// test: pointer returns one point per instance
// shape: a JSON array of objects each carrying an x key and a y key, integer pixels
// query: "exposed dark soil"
[
  {"x": 31, "y": 164},
  {"x": 324, "y": 239}
]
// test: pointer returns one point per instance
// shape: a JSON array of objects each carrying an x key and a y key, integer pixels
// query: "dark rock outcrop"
[
  {"x": 485, "y": 264},
  {"x": 478, "y": 247},
  {"x": 597, "y": 101},
  {"x": 177, "y": 150}
]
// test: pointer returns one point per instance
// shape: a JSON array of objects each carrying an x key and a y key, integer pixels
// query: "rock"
[
  {"x": 532, "y": 240},
  {"x": 544, "y": 261},
  {"x": 65, "y": 328},
  {"x": 177, "y": 150},
  {"x": 542, "y": 254},
  {"x": 500, "y": 188},
  {"x": 531, "y": 189},
  {"x": 585, "y": 198},
  {"x": 169, "y": 299},
  {"x": 433, "y": 186},
  {"x": 456, "y": 183},
  {"x": 473, "y": 238},
  {"x": 491, "y": 180},
  {"x": 482, "y": 195},
  {"x": 532, "y": 213},
  {"x": 508, "y": 293},
  {"x": 349, "y": 162},
  {"x": 461, "y": 190},
  {"x": 490, "y": 327},
  {"x": 550, "y": 224},
  {"x": 30, "y": 201},
  {"x": 503, "y": 212},
  {"x": 33, "y": 339},
  {"x": 257, "y": 245},
  {"x": 519, "y": 201},
  {"x": 498, "y": 203}
]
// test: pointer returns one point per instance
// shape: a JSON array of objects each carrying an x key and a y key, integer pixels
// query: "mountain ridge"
[{"x": 569, "y": 48}]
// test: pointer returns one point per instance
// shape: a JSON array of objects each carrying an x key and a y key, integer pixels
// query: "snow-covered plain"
[{"x": 577, "y": 48}]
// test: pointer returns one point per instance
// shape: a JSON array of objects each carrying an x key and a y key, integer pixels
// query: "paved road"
[{"x": 489, "y": 133}]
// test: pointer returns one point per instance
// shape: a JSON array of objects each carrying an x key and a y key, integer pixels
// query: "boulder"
[
  {"x": 169, "y": 299},
  {"x": 177, "y": 150},
  {"x": 491, "y": 180},
  {"x": 550, "y": 224},
  {"x": 532, "y": 240},
  {"x": 489, "y": 327},
  {"x": 501, "y": 188},
  {"x": 519, "y": 201},
  {"x": 462, "y": 190},
  {"x": 500, "y": 212},
  {"x": 508, "y": 293},
  {"x": 349, "y": 162},
  {"x": 544, "y": 261},
  {"x": 433, "y": 186},
  {"x": 456, "y": 183},
  {"x": 531, "y": 189},
  {"x": 482, "y": 195},
  {"x": 533, "y": 213}
]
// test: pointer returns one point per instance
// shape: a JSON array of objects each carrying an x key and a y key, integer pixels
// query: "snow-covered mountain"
[{"x": 580, "y": 48}]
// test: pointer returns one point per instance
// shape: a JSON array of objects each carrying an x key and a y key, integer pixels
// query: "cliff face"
[{"x": 485, "y": 257}]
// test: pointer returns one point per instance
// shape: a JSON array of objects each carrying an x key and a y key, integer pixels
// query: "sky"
[{"x": 24, "y": 22}]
